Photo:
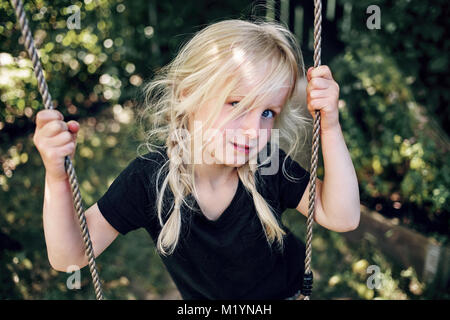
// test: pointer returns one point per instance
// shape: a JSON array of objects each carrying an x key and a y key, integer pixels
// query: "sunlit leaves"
[{"x": 386, "y": 129}]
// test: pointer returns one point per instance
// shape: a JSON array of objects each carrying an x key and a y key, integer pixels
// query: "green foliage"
[
  {"x": 393, "y": 134},
  {"x": 118, "y": 46},
  {"x": 415, "y": 34}
]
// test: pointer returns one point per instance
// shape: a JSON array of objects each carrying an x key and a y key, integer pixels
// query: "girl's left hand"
[{"x": 322, "y": 93}]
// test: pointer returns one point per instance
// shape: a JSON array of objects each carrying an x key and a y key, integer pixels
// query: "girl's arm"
[
  {"x": 54, "y": 140},
  {"x": 337, "y": 197},
  {"x": 65, "y": 246},
  {"x": 340, "y": 192}
]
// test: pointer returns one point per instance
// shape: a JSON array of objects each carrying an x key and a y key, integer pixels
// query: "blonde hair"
[{"x": 208, "y": 67}]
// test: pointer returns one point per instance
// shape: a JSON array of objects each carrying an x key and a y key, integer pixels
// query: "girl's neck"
[{"x": 214, "y": 175}]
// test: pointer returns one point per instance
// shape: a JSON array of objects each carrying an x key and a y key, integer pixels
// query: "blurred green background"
[{"x": 393, "y": 111}]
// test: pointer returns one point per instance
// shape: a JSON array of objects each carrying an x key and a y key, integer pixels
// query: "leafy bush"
[{"x": 397, "y": 146}]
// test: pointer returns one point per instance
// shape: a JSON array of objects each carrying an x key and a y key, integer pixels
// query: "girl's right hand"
[{"x": 54, "y": 140}]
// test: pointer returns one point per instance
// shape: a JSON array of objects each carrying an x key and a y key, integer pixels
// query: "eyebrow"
[{"x": 238, "y": 97}]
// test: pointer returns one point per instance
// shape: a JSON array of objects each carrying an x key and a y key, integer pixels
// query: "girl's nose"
[{"x": 251, "y": 125}]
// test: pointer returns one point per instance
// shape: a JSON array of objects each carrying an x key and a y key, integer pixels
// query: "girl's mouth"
[{"x": 243, "y": 149}]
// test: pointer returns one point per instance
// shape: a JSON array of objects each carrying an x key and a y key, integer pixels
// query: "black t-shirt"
[{"x": 228, "y": 258}]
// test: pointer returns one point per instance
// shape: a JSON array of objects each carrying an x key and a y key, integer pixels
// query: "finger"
[
  {"x": 318, "y": 83},
  {"x": 73, "y": 126},
  {"x": 318, "y": 93},
  {"x": 53, "y": 128},
  {"x": 67, "y": 149},
  {"x": 322, "y": 71},
  {"x": 44, "y": 116},
  {"x": 60, "y": 139},
  {"x": 308, "y": 73},
  {"x": 318, "y": 104}
]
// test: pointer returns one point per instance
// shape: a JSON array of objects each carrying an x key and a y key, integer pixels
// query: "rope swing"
[
  {"x": 48, "y": 104},
  {"x": 78, "y": 205},
  {"x": 308, "y": 276}
]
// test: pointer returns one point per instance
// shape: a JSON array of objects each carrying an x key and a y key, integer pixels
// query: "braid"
[
  {"x": 178, "y": 179},
  {"x": 271, "y": 227}
]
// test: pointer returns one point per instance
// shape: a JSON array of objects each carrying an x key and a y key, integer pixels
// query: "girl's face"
[{"x": 252, "y": 129}]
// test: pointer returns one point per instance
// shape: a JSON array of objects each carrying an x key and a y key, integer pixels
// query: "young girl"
[{"x": 209, "y": 198}]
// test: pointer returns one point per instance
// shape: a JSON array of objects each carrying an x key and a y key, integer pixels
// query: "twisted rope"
[
  {"x": 43, "y": 89},
  {"x": 308, "y": 276}
]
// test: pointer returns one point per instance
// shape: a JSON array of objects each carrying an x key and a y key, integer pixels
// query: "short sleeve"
[
  {"x": 127, "y": 204},
  {"x": 294, "y": 185},
  {"x": 284, "y": 187}
]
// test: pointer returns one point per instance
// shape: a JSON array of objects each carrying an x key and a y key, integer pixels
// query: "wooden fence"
[{"x": 406, "y": 247}]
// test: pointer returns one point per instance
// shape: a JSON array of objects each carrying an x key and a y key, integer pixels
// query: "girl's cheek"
[{"x": 265, "y": 133}]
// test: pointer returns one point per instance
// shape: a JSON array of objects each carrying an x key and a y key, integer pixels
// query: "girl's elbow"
[
  {"x": 355, "y": 222},
  {"x": 56, "y": 266},
  {"x": 353, "y": 227},
  {"x": 65, "y": 266},
  {"x": 350, "y": 225}
]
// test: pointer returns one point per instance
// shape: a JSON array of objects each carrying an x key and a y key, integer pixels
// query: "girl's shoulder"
[{"x": 146, "y": 165}]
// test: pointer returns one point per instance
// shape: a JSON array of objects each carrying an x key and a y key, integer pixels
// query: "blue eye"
[{"x": 273, "y": 112}]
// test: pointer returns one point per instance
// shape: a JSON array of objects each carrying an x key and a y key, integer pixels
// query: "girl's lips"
[
  {"x": 244, "y": 149},
  {"x": 242, "y": 146}
]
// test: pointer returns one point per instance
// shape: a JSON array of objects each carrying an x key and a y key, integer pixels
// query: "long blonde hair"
[{"x": 207, "y": 67}]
